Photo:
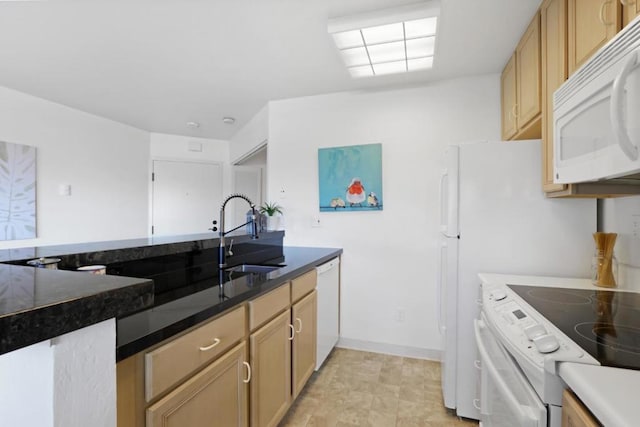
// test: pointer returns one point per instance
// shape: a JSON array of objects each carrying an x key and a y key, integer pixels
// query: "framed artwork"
[
  {"x": 350, "y": 178},
  {"x": 17, "y": 191}
]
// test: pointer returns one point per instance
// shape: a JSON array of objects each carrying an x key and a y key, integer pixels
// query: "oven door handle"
[{"x": 524, "y": 415}]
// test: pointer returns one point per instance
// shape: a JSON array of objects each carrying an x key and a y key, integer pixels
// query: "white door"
[
  {"x": 247, "y": 180},
  {"x": 186, "y": 196}
]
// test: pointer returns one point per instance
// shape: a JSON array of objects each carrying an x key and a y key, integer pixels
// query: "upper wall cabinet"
[
  {"x": 591, "y": 24},
  {"x": 553, "y": 14},
  {"x": 630, "y": 9},
  {"x": 508, "y": 99},
  {"x": 521, "y": 113}
]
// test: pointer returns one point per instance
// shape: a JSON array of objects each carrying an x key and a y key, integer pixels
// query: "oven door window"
[{"x": 506, "y": 398}]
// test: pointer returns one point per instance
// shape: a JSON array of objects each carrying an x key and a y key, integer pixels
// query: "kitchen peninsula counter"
[
  {"x": 39, "y": 304},
  {"x": 142, "y": 330}
]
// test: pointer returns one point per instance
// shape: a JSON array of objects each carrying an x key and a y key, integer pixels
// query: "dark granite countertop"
[
  {"x": 38, "y": 304},
  {"x": 139, "y": 331}
]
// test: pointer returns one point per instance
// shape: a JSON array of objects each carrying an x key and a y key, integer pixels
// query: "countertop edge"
[
  {"x": 49, "y": 321},
  {"x": 602, "y": 389}
]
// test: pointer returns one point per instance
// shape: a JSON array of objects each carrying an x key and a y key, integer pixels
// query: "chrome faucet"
[{"x": 254, "y": 227}]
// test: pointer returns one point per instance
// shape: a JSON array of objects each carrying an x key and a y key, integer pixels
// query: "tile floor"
[{"x": 356, "y": 388}]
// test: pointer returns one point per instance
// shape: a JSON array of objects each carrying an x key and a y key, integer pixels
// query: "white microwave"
[{"x": 596, "y": 114}]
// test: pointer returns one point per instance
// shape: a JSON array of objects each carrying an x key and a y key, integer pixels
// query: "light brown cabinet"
[
  {"x": 508, "y": 99},
  {"x": 208, "y": 376},
  {"x": 574, "y": 413},
  {"x": 271, "y": 371},
  {"x": 553, "y": 14},
  {"x": 304, "y": 316},
  {"x": 521, "y": 87},
  {"x": 591, "y": 24},
  {"x": 215, "y": 396},
  {"x": 283, "y": 352},
  {"x": 630, "y": 9},
  {"x": 170, "y": 384}
]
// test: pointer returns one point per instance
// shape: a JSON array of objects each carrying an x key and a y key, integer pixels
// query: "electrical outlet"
[
  {"x": 399, "y": 315},
  {"x": 635, "y": 226},
  {"x": 315, "y": 221}
]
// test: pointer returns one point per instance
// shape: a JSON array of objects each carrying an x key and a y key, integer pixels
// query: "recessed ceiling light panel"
[{"x": 388, "y": 41}]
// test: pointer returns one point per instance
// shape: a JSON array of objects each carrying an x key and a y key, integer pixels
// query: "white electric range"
[{"x": 536, "y": 332}]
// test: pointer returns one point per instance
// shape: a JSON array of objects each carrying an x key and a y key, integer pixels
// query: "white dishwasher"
[{"x": 328, "y": 289}]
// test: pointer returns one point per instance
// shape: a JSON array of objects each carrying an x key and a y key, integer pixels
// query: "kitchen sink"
[{"x": 252, "y": 268}]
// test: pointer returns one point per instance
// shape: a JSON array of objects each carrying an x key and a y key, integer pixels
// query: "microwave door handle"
[{"x": 617, "y": 106}]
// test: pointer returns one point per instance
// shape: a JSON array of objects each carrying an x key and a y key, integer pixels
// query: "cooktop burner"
[{"x": 605, "y": 324}]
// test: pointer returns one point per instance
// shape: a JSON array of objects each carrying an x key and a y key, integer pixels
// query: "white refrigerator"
[{"x": 495, "y": 218}]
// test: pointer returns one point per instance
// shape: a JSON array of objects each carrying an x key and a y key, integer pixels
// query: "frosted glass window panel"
[
  {"x": 17, "y": 191},
  {"x": 364, "y": 71},
  {"x": 418, "y": 48},
  {"x": 387, "y": 52},
  {"x": 347, "y": 39},
  {"x": 420, "y": 63},
  {"x": 355, "y": 56},
  {"x": 420, "y": 27},
  {"x": 390, "y": 67},
  {"x": 383, "y": 33}
]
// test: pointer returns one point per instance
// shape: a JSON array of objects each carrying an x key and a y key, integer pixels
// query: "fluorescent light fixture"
[{"x": 388, "y": 41}]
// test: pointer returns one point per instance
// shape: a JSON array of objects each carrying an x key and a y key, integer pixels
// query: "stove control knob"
[
  {"x": 546, "y": 343},
  {"x": 498, "y": 294},
  {"x": 534, "y": 331}
]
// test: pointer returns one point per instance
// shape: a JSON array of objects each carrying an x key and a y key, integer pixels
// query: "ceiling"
[{"x": 158, "y": 64}]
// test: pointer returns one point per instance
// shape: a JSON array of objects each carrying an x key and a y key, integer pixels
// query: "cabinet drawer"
[
  {"x": 167, "y": 365},
  {"x": 302, "y": 285},
  {"x": 265, "y": 307}
]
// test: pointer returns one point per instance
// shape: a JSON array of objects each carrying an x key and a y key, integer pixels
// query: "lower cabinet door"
[
  {"x": 271, "y": 371},
  {"x": 303, "y": 314},
  {"x": 217, "y": 396}
]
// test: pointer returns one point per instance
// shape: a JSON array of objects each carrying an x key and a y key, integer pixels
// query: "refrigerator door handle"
[
  {"x": 443, "y": 206},
  {"x": 441, "y": 270}
]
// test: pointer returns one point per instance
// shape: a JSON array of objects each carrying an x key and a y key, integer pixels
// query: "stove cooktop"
[{"x": 605, "y": 324}]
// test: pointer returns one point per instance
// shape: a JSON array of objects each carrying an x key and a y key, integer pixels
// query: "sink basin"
[{"x": 252, "y": 268}]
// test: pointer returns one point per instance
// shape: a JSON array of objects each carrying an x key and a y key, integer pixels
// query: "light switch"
[{"x": 64, "y": 190}]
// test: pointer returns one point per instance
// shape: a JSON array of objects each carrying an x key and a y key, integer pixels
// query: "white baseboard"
[{"x": 395, "y": 350}]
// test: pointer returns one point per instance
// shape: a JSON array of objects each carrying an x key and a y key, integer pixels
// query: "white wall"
[
  {"x": 390, "y": 257},
  {"x": 253, "y": 134},
  {"x": 69, "y": 381},
  {"x": 622, "y": 216},
  {"x": 104, "y": 162}
]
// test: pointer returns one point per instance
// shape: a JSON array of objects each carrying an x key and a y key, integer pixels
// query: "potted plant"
[{"x": 271, "y": 210}]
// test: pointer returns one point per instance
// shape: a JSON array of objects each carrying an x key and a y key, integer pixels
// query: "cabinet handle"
[
  {"x": 476, "y": 404},
  {"x": 209, "y": 347},
  {"x": 300, "y": 323},
  {"x": 514, "y": 111},
  {"x": 477, "y": 364},
  {"x": 246, "y": 364},
  {"x": 603, "y": 9},
  {"x": 293, "y": 332}
]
